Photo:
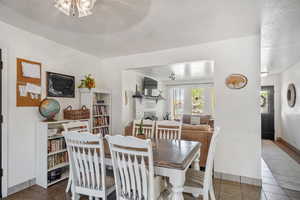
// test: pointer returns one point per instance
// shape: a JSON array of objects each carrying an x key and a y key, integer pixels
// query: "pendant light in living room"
[
  {"x": 172, "y": 76},
  {"x": 81, "y": 8}
]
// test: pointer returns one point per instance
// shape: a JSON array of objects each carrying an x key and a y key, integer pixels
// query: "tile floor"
[
  {"x": 225, "y": 190},
  {"x": 284, "y": 168}
]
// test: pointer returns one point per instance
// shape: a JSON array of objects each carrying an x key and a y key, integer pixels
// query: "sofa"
[{"x": 200, "y": 133}]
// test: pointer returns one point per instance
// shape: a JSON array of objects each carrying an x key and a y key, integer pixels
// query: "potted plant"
[
  {"x": 87, "y": 83},
  {"x": 141, "y": 132}
]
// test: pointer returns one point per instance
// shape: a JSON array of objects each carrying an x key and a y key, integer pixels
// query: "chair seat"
[{"x": 194, "y": 178}]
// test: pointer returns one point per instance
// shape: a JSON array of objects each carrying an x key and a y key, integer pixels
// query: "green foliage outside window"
[{"x": 197, "y": 100}]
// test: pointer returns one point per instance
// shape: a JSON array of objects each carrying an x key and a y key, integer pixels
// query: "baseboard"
[
  {"x": 288, "y": 145},
  {"x": 21, "y": 186},
  {"x": 238, "y": 179}
]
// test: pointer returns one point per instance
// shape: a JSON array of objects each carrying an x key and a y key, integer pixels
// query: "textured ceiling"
[
  {"x": 123, "y": 27},
  {"x": 280, "y": 35},
  {"x": 190, "y": 71}
]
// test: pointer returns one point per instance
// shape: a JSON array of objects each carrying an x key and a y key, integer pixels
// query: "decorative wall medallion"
[
  {"x": 291, "y": 95},
  {"x": 236, "y": 81}
]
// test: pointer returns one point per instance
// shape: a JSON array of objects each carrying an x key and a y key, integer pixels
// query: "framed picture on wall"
[{"x": 60, "y": 85}]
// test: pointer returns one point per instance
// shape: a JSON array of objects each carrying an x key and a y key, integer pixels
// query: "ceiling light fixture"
[
  {"x": 81, "y": 8},
  {"x": 172, "y": 76}
]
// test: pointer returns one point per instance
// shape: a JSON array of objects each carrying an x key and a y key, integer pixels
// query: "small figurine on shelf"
[{"x": 88, "y": 82}]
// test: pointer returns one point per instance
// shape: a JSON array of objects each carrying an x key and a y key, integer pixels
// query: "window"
[
  {"x": 197, "y": 101},
  {"x": 192, "y": 100},
  {"x": 178, "y": 102}
]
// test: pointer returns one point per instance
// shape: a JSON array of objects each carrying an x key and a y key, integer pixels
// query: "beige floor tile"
[
  {"x": 230, "y": 197},
  {"x": 250, "y": 191},
  {"x": 261, "y": 196}
]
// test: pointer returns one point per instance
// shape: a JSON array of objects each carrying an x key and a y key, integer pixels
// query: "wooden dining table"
[{"x": 171, "y": 159}]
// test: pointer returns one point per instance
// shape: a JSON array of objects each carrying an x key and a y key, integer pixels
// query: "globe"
[{"x": 49, "y": 108}]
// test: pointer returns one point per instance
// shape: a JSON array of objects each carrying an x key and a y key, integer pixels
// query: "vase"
[{"x": 84, "y": 90}]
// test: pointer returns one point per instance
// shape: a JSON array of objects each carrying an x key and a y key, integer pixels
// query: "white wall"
[
  {"x": 274, "y": 80},
  {"x": 22, "y": 120},
  {"x": 290, "y": 116},
  {"x": 237, "y": 111}
]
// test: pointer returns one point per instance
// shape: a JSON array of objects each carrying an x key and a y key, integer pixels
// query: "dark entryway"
[
  {"x": 1, "y": 121},
  {"x": 267, "y": 112}
]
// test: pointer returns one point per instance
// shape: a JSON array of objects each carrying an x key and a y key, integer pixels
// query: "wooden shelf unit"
[
  {"x": 44, "y": 155},
  {"x": 99, "y": 102}
]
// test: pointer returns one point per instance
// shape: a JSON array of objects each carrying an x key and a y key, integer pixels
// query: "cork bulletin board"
[{"x": 28, "y": 87}]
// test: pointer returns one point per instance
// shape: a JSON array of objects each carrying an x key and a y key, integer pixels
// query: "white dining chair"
[
  {"x": 87, "y": 160},
  {"x": 201, "y": 183},
  {"x": 168, "y": 130},
  {"x": 147, "y": 128},
  {"x": 79, "y": 126},
  {"x": 133, "y": 168}
]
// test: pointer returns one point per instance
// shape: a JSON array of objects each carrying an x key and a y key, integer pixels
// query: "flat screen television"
[
  {"x": 60, "y": 85},
  {"x": 150, "y": 84}
]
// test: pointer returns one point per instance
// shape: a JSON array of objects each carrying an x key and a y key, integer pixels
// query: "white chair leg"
[
  {"x": 212, "y": 193},
  {"x": 69, "y": 185},
  {"x": 90, "y": 198},
  {"x": 205, "y": 196},
  {"x": 75, "y": 196}
]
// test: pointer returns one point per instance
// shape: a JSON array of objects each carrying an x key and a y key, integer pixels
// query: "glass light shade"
[{"x": 72, "y": 7}]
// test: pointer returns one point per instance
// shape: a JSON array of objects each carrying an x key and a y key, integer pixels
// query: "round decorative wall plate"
[
  {"x": 291, "y": 95},
  {"x": 236, "y": 81}
]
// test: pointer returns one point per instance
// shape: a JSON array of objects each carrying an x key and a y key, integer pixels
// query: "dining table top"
[{"x": 175, "y": 154}]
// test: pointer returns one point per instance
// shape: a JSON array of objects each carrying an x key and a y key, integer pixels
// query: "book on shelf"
[
  {"x": 57, "y": 174},
  {"x": 101, "y": 121},
  {"x": 56, "y": 145},
  {"x": 57, "y": 159},
  {"x": 99, "y": 110},
  {"x": 103, "y": 131}
]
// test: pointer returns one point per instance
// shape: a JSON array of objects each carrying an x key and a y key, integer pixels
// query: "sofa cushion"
[
  {"x": 204, "y": 119},
  {"x": 202, "y": 127}
]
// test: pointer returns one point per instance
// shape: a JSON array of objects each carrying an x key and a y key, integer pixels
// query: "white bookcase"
[
  {"x": 52, "y": 155},
  {"x": 99, "y": 103}
]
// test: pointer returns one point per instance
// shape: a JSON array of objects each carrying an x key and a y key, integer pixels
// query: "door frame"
[
  {"x": 274, "y": 108},
  {"x": 5, "y": 120}
]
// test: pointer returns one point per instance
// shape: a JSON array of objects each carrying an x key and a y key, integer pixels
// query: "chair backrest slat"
[
  {"x": 74, "y": 159},
  {"x": 138, "y": 177},
  {"x": 210, "y": 160},
  {"x": 91, "y": 168},
  {"x": 87, "y": 160},
  {"x": 147, "y": 128},
  {"x": 144, "y": 178},
  {"x": 133, "y": 167},
  {"x": 170, "y": 130}
]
